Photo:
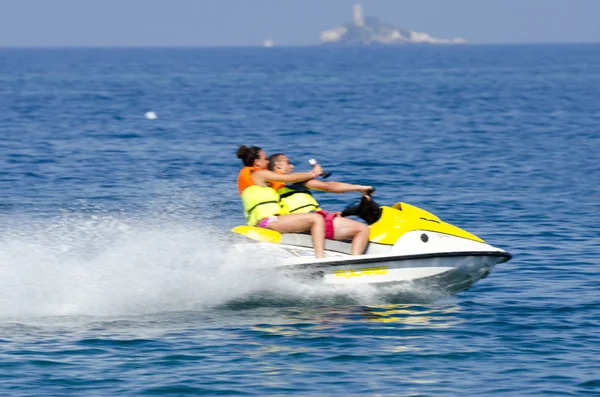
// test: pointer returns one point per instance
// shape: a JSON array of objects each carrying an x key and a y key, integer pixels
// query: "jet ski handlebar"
[{"x": 366, "y": 209}]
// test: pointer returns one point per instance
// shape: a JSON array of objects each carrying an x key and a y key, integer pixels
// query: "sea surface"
[{"x": 117, "y": 276}]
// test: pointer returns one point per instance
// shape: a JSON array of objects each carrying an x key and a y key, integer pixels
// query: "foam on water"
[{"x": 103, "y": 265}]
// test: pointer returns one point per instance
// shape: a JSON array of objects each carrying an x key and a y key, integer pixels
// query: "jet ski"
[{"x": 406, "y": 245}]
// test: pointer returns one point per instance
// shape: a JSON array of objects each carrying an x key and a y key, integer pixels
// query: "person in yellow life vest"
[
  {"x": 261, "y": 201},
  {"x": 297, "y": 199}
]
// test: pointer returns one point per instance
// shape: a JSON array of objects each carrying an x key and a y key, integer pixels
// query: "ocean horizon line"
[{"x": 239, "y": 46}]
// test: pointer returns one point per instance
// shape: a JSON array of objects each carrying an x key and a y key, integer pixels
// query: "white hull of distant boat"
[{"x": 407, "y": 245}]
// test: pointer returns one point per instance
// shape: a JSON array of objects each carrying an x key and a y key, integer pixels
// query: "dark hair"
[
  {"x": 273, "y": 159},
  {"x": 248, "y": 154}
]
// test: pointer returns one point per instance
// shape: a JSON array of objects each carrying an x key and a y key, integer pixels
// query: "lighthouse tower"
[{"x": 358, "y": 15}]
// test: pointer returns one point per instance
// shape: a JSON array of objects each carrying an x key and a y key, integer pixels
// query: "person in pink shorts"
[{"x": 296, "y": 199}]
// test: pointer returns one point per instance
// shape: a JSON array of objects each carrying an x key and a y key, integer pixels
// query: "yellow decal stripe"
[{"x": 365, "y": 271}]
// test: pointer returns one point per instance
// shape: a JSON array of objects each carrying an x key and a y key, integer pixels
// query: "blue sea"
[{"x": 117, "y": 276}]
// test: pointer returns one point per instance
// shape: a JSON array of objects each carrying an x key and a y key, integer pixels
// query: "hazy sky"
[{"x": 286, "y": 22}]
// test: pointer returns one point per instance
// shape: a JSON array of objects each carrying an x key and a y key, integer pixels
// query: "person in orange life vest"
[
  {"x": 261, "y": 201},
  {"x": 297, "y": 199}
]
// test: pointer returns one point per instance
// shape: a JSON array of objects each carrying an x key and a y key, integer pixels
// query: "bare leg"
[
  {"x": 317, "y": 232},
  {"x": 345, "y": 228},
  {"x": 298, "y": 223}
]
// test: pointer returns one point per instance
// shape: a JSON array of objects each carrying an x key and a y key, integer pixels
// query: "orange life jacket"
[
  {"x": 259, "y": 201},
  {"x": 277, "y": 185},
  {"x": 245, "y": 178}
]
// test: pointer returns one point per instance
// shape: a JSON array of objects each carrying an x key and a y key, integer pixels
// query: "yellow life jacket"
[
  {"x": 296, "y": 199},
  {"x": 259, "y": 202}
]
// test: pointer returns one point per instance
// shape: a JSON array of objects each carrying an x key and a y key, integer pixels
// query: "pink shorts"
[
  {"x": 265, "y": 221},
  {"x": 329, "y": 231}
]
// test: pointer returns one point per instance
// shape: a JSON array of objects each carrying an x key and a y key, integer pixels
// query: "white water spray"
[
  {"x": 104, "y": 265},
  {"x": 107, "y": 265}
]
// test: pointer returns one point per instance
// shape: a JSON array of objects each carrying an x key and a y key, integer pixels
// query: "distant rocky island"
[{"x": 371, "y": 31}]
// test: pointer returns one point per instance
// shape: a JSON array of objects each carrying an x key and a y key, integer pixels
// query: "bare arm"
[
  {"x": 261, "y": 177},
  {"x": 337, "y": 187}
]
